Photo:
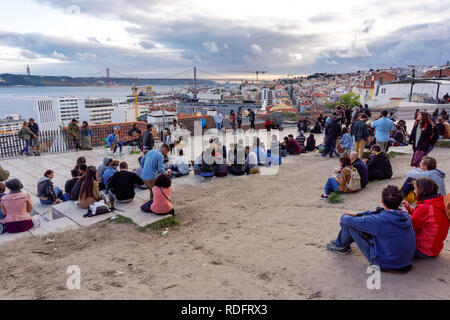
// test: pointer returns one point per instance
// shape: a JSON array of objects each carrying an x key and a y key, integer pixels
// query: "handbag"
[{"x": 97, "y": 208}]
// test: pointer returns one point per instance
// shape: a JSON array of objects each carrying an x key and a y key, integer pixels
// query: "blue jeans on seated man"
[
  {"x": 407, "y": 187},
  {"x": 59, "y": 194},
  {"x": 348, "y": 235},
  {"x": 118, "y": 145},
  {"x": 331, "y": 186}
]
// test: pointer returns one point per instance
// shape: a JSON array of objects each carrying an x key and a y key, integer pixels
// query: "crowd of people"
[{"x": 412, "y": 221}]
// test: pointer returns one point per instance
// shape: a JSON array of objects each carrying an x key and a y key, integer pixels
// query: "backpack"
[
  {"x": 355, "y": 180},
  {"x": 97, "y": 208}
]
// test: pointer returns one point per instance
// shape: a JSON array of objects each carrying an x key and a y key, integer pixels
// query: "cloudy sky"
[{"x": 158, "y": 38}]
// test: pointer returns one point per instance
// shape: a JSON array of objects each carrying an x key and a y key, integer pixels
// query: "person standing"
[
  {"x": 421, "y": 137},
  {"x": 332, "y": 132},
  {"x": 239, "y": 117},
  {"x": 360, "y": 132},
  {"x": 148, "y": 139},
  {"x": 152, "y": 165},
  {"x": 74, "y": 133},
  {"x": 252, "y": 116},
  {"x": 26, "y": 134},
  {"x": 232, "y": 120},
  {"x": 383, "y": 129},
  {"x": 34, "y": 142},
  {"x": 218, "y": 119},
  {"x": 86, "y": 136}
]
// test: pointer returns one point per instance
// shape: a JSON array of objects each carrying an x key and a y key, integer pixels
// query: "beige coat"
[{"x": 85, "y": 202}]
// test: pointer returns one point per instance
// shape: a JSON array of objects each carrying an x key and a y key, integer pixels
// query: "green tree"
[{"x": 349, "y": 99}]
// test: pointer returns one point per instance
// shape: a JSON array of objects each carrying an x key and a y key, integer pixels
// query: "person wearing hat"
[
  {"x": 16, "y": 207},
  {"x": 74, "y": 133}
]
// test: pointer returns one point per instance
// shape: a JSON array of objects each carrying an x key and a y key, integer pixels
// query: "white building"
[
  {"x": 69, "y": 109},
  {"x": 11, "y": 124},
  {"x": 421, "y": 91},
  {"x": 45, "y": 111},
  {"x": 267, "y": 97}
]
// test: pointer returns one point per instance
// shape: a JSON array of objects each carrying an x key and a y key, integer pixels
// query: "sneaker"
[
  {"x": 324, "y": 197},
  {"x": 333, "y": 247},
  {"x": 323, "y": 155}
]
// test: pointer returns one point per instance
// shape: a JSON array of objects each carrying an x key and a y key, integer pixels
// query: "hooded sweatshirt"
[
  {"x": 393, "y": 241},
  {"x": 45, "y": 189},
  {"x": 108, "y": 174},
  {"x": 436, "y": 175},
  {"x": 101, "y": 168},
  {"x": 430, "y": 224}
]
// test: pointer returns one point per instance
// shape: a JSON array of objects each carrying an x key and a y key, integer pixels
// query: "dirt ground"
[{"x": 252, "y": 237}]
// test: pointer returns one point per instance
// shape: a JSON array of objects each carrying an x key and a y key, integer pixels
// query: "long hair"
[
  {"x": 88, "y": 183},
  {"x": 425, "y": 187},
  {"x": 425, "y": 120}
]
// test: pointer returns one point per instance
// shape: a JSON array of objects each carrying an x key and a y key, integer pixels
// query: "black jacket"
[
  {"x": 363, "y": 171},
  {"x": 379, "y": 167},
  {"x": 148, "y": 140},
  {"x": 333, "y": 129},
  {"x": 70, "y": 184},
  {"x": 425, "y": 139},
  {"x": 45, "y": 189},
  {"x": 35, "y": 128},
  {"x": 75, "y": 193},
  {"x": 122, "y": 184}
]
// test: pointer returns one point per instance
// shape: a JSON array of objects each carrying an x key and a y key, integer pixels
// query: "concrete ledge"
[
  {"x": 70, "y": 210},
  {"x": 6, "y": 237},
  {"x": 53, "y": 226}
]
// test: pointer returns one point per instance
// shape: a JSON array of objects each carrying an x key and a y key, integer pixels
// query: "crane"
[
  {"x": 135, "y": 94},
  {"x": 257, "y": 73}
]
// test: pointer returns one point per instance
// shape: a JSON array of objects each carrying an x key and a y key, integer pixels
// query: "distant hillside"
[{"x": 8, "y": 79}]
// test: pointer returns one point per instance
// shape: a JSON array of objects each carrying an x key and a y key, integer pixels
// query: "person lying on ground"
[
  {"x": 342, "y": 181},
  {"x": 89, "y": 191},
  {"x": 379, "y": 164},
  {"x": 46, "y": 192},
  {"x": 15, "y": 209},
  {"x": 121, "y": 185},
  {"x": 384, "y": 236},
  {"x": 362, "y": 168},
  {"x": 293, "y": 147},
  {"x": 161, "y": 203},
  {"x": 71, "y": 182},
  {"x": 429, "y": 218},
  {"x": 427, "y": 169}
]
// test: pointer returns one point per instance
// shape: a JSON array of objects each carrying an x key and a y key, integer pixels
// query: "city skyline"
[{"x": 156, "y": 38}]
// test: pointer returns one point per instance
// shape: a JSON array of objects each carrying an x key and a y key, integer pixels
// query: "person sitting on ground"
[
  {"x": 101, "y": 168},
  {"x": 15, "y": 209},
  {"x": 293, "y": 147},
  {"x": 251, "y": 159},
  {"x": 362, "y": 168},
  {"x": 317, "y": 128},
  {"x": 71, "y": 182},
  {"x": 238, "y": 165},
  {"x": 342, "y": 181},
  {"x": 109, "y": 172},
  {"x": 4, "y": 174},
  {"x": 113, "y": 141},
  {"x": 444, "y": 128},
  {"x": 138, "y": 170},
  {"x": 427, "y": 169},
  {"x": 259, "y": 149},
  {"x": 311, "y": 143},
  {"x": 384, "y": 236},
  {"x": 301, "y": 140},
  {"x": 379, "y": 164},
  {"x": 346, "y": 143},
  {"x": 398, "y": 137},
  {"x": 80, "y": 161},
  {"x": 161, "y": 203},
  {"x": 198, "y": 163},
  {"x": 46, "y": 192},
  {"x": 89, "y": 191},
  {"x": 181, "y": 165},
  {"x": 121, "y": 185},
  {"x": 429, "y": 218}
]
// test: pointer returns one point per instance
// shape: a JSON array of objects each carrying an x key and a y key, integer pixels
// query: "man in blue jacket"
[
  {"x": 385, "y": 236},
  {"x": 153, "y": 165}
]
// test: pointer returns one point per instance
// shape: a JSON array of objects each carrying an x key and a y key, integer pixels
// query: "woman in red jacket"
[{"x": 429, "y": 218}]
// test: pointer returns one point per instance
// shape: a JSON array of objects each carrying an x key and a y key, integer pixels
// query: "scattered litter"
[
  {"x": 50, "y": 240},
  {"x": 41, "y": 252},
  {"x": 174, "y": 285},
  {"x": 119, "y": 273},
  {"x": 235, "y": 204},
  {"x": 55, "y": 249},
  {"x": 166, "y": 231}
]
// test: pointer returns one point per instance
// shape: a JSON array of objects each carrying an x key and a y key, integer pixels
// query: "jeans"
[
  {"x": 113, "y": 198},
  {"x": 252, "y": 124},
  {"x": 219, "y": 126},
  {"x": 330, "y": 144},
  {"x": 348, "y": 235},
  {"x": 118, "y": 145},
  {"x": 331, "y": 186},
  {"x": 59, "y": 194},
  {"x": 2, "y": 216},
  {"x": 77, "y": 144},
  {"x": 407, "y": 187},
  {"x": 26, "y": 148},
  {"x": 239, "y": 122},
  {"x": 420, "y": 255}
]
